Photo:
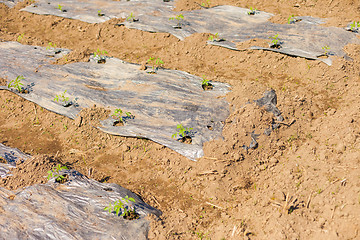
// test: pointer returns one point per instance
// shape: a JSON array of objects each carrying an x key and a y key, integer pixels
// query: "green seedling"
[
  {"x": 326, "y": 49},
  {"x": 60, "y": 7},
  {"x": 99, "y": 56},
  {"x": 51, "y": 46},
  {"x": 214, "y": 37},
  {"x": 56, "y": 173},
  {"x": 20, "y": 37},
  {"x": 17, "y": 83},
  {"x": 155, "y": 62},
  {"x": 120, "y": 205},
  {"x": 182, "y": 131},
  {"x": 275, "y": 43},
  {"x": 205, "y": 82},
  {"x": 291, "y": 19},
  {"x": 131, "y": 18},
  {"x": 61, "y": 97},
  {"x": 179, "y": 19},
  {"x": 206, "y": 85},
  {"x": 206, "y": 4},
  {"x": 100, "y": 14},
  {"x": 118, "y": 114},
  {"x": 252, "y": 11},
  {"x": 354, "y": 26}
]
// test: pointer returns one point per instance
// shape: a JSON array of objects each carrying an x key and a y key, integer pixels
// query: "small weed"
[
  {"x": 61, "y": 97},
  {"x": 206, "y": 4},
  {"x": 118, "y": 114},
  {"x": 17, "y": 83},
  {"x": 20, "y": 37},
  {"x": 178, "y": 19},
  {"x": 202, "y": 235},
  {"x": 292, "y": 138},
  {"x": 252, "y": 11},
  {"x": 119, "y": 206},
  {"x": 99, "y": 56},
  {"x": 319, "y": 191},
  {"x": 155, "y": 62},
  {"x": 275, "y": 43},
  {"x": 56, "y": 173}
]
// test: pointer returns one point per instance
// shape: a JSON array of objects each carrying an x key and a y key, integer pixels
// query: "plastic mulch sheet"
[
  {"x": 304, "y": 38},
  {"x": 73, "y": 210},
  {"x": 10, "y": 3},
  {"x": 11, "y": 156},
  {"x": 158, "y": 102},
  {"x": 268, "y": 102}
]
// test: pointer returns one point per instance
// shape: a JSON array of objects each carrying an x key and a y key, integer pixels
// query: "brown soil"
[
  {"x": 33, "y": 171},
  {"x": 230, "y": 193},
  {"x": 131, "y": 215},
  {"x": 207, "y": 87},
  {"x": 3, "y": 82},
  {"x": 186, "y": 140}
]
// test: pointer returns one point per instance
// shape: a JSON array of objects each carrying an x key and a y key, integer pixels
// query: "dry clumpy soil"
[
  {"x": 302, "y": 182},
  {"x": 30, "y": 172}
]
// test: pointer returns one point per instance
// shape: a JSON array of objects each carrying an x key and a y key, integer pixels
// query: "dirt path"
[{"x": 302, "y": 182}]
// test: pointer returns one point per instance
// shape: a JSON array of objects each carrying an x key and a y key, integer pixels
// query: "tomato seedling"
[
  {"x": 252, "y": 11},
  {"x": 99, "y": 56},
  {"x": 206, "y": 85},
  {"x": 118, "y": 115},
  {"x": 182, "y": 132},
  {"x": 275, "y": 43},
  {"x": 119, "y": 205},
  {"x": 178, "y": 19},
  {"x": 62, "y": 98},
  {"x": 17, "y": 83},
  {"x": 131, "y": 18},
  {"x": 99, "y": 13},
  {"x": 60, "y": 8},
  {"x": 354, "y": 26},
  {"x": 206, "y": 4},
  {"x": 326, "y": 49},
  {"x": 291, "y": 19},
  {"x": 55, "y": 172},
  {"x": 155, "y": 62}
]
